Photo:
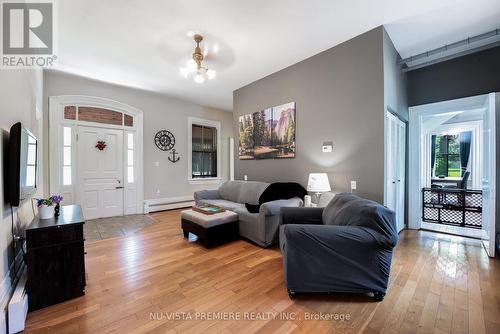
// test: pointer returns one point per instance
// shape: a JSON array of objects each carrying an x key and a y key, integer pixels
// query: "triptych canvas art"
[{"x": 268, "y": 134}]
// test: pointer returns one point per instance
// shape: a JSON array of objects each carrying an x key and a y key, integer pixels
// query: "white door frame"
[
  {"x": 493, "y": 102},
  {"x": 56, "y": 123},
  {"x": 419, "y": 164}
]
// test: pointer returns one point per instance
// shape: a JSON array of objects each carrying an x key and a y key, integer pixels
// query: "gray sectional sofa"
[{"x": 261, "y": 228}]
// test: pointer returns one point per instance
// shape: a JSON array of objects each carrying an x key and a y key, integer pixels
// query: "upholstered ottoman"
[{"x": 210, "y": 229}]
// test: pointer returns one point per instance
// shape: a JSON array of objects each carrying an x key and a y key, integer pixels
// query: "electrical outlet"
[
  {"x": 157, "y": 164},
  {"x": 245, "y": 177},
  {"x": 353, "y": 185},
  {"x": 158, "y": 192}
]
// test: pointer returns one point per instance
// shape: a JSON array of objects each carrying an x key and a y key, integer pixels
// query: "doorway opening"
[
  {"x": 452, "y": 161},
  {"x": 96, "y": 155}
]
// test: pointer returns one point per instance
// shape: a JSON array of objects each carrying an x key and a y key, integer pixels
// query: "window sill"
[{"x": 205, "y": 180}]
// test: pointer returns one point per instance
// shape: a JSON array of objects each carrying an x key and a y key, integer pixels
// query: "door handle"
[{"x": 118, "y": 187}]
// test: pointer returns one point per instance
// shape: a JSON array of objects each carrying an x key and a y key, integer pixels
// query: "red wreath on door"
[{"x": 101, "y": 145}]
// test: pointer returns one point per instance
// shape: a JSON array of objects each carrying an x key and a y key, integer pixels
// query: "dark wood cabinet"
[{"x": 55, "y": 258}]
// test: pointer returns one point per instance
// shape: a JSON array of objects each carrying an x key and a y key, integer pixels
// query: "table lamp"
[{"x": 318, "y": 183}]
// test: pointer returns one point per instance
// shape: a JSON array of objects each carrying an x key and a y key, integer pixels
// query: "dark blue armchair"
[{"x": 345, "y": 247}]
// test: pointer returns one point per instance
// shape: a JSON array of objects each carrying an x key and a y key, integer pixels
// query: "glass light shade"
[
  {"x": 200, "y": 75},
  {"x": 191, "y": 65},
  {"x": 318, "y": 182},
  {"x": 199, "y": 79},
  {"x": 211, "y": 74}
]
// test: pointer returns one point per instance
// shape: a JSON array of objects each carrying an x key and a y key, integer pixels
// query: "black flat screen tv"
[{"x": 22, "y": 164}]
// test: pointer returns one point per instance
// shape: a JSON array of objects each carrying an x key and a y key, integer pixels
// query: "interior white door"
[
  {"x": 395, "y": 167},
  {"x": 391, "y": 138},
  {"x": 401, "y": 170},
  {"x": 489, "y": 172},
  {"x": 100, "y": 172}
]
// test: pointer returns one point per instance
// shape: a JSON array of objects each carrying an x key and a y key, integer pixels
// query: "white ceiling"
[
  {"x": 143, "y": 44},
  {"x": 427, "y": 31}
]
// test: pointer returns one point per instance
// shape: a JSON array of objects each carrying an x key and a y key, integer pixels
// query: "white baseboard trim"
[{"x": 168, "y": 203}]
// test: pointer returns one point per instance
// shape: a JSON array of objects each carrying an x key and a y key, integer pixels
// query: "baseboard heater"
[
  {"x": 161, "y": 204},
  {"x": 18, "y": 306}
]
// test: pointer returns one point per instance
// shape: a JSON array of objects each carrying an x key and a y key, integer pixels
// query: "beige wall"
[
  {"x": 339, "y": 97},
  {"x": 160, "y": 112},
  {"x": 20, "y": 95}
]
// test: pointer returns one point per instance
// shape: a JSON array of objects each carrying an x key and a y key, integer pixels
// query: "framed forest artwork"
[
  {"x": 246, "y": 145},
  {"x": 268, "y": 134}
]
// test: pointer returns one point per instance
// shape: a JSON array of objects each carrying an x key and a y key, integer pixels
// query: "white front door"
[
  {"x": 395, "y": 167},
  {"x": 100, "y": 172}
]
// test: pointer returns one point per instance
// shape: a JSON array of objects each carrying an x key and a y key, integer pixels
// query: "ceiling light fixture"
[{"x": 194, "y": 66}]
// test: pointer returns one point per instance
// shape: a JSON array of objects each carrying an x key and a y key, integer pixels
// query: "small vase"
[
  {"x": 56, "y": 210},
  {"x": 46, "y": 212}
]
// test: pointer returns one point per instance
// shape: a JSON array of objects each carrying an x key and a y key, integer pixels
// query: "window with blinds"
[{"x": 204, "y": 151}]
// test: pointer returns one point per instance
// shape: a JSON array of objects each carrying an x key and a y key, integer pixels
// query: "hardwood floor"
[{"x": 439, "y": 284}]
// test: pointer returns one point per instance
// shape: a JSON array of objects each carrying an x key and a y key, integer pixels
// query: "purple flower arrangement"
[{"x": 54, "y": 199}]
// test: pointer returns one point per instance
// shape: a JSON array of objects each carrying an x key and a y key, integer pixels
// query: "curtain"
[
  {"x": 464, "y": 139},
  {"x": 433, "y": 152}
]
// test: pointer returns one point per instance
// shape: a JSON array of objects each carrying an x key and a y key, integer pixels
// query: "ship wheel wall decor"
[{"x": 164, "y": 140}]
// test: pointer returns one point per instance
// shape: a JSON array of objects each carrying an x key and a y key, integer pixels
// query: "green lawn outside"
[{"x": 454, "y": 172}]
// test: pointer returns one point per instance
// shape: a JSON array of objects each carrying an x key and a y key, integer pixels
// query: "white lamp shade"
[{"x": 318, "y": 182}]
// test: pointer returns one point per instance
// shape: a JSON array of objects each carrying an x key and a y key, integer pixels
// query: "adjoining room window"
[
  {"x": 67, "y": 139},
  {"x": 447, "y": 150},
  {"x": 204, "y": 151},
  {"x": 130, "y": 157}
]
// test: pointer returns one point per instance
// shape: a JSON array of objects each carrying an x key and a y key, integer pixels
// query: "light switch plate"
[
  {"x": 157, "y": 164},
  {"x": 353, "y": 185}
]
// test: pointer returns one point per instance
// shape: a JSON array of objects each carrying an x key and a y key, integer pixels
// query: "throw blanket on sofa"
[{"x": 276, "y": 191}]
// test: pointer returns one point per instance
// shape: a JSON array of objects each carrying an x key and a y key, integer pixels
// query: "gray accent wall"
[
  {"x": 340, "y": 97},
  {"x": 395, "y": 81},
  {"x": 470, "y": 75},
  {"x": 396, "y": 100}
]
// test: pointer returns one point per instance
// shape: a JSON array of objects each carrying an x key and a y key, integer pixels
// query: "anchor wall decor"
[{"x": 175, "y": 156}]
